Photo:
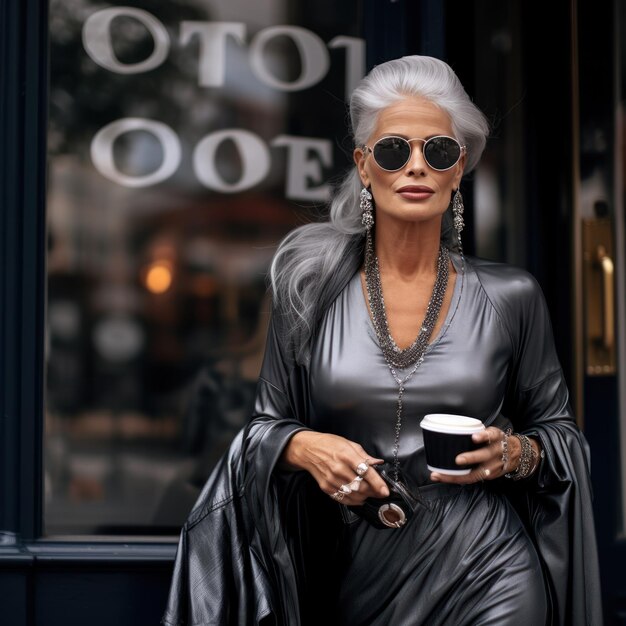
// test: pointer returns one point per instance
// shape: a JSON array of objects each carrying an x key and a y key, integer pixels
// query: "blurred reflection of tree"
[{"x": 84, "y": 97}]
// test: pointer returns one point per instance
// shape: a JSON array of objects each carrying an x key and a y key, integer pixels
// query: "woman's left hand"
[{"x": 488, "y": 458}]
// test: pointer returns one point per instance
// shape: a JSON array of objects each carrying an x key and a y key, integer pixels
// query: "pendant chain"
[{"x": 413, "y": 356}]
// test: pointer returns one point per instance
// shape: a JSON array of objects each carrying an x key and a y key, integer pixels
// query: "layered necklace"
[{"x": 413, "y": 356}]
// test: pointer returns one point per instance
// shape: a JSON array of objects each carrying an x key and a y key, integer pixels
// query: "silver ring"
[
  {"x": 486, "y": 473},
  {"x": 362, "y": 467},
  {"x": 338, "y": 495},
  {"x": 345, "y": 489},
  {"x": 356, "y": 483}
]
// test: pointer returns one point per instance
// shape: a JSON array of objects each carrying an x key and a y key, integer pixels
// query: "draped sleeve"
[
  {"x": 556, "y": 503},
  {"x": 233, "y": 564}
]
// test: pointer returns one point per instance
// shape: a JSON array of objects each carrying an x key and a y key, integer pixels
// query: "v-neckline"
[{"x": 454, "y": 302}]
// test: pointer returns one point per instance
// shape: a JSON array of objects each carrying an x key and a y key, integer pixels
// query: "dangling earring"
[
  {"x": 367, "y": 215},
  {"x": 457, "y": 211}
]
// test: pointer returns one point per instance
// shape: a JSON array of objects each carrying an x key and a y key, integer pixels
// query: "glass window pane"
[{"x": 185, "y": 139}]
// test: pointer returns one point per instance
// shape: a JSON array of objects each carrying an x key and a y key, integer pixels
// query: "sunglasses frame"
[{"x": 461, "y": 151}]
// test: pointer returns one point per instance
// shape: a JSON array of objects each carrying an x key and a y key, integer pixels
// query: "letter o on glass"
[
  {"x": 313, "y": 56},
  {"x": 98, "y": 45},
  {"x": 254, "y": 154},
  {"x": 102, "y": 151}
]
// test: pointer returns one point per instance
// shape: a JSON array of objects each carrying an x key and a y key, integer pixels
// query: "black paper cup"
[{"x": 447, "y": 436}]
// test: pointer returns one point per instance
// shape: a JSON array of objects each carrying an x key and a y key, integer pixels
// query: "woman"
[{"x": 348, "y": 376}]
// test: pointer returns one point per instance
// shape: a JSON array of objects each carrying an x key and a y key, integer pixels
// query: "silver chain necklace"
[{"x": 414, "y": 354}]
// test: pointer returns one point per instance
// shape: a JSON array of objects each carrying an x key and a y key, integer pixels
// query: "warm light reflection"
[{"x": 158, "y": 277}]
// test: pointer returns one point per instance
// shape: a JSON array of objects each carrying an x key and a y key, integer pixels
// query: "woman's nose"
[{"x": 416, "y": 163}]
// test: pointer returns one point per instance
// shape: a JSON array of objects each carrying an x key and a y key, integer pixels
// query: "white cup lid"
[{"x": 453, "y": 424}]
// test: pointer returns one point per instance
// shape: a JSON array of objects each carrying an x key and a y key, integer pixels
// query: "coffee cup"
[{"x": 445, "y": 437}]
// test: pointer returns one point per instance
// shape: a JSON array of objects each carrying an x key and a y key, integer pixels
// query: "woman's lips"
[{"x": 415, "y": 192}]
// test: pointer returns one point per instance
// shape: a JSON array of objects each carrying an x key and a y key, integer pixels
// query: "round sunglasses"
[{"x": 393, "y": 153}]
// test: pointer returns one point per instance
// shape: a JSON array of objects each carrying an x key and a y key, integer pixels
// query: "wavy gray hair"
[{"x": 311, "y": 256}]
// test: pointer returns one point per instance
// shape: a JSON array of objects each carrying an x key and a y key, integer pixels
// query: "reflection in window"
[{"x": 167, "y": 196}]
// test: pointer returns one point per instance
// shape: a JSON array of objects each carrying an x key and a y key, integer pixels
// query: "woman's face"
[{"x": 416, "y": 192}]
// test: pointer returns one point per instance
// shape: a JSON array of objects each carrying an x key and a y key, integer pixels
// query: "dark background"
[{"x": 567, "y": 61}]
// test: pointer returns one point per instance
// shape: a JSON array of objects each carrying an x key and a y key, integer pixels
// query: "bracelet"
[
  {"x": 505, "y": 448},
  {"x": 537, "y": 458},
  {"x": 526, "y": 462}
]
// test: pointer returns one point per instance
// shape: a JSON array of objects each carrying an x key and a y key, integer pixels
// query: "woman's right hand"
[{"x": 332, "y": 461}]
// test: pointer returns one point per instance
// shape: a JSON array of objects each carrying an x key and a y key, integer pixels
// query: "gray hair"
[{"x": 312, "y": 256}]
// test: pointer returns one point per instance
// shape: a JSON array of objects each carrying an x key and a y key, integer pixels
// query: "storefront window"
[{"x": 185, "y": 139}]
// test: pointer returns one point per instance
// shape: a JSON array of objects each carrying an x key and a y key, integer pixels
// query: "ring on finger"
[
  {"x": 356, "y": 483},
  {"x": 345, "y": 489},
  {"x": 362, "y": 467},
  {"x": 338, "y": 495}
]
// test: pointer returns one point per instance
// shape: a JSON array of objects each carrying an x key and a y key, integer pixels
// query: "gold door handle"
[
  {"x": 608, "y": 297},
  {"x": 599, "y": 298}
]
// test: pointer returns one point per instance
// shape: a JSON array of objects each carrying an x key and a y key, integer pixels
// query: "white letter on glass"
[
  {"x": 98, "y": 45},
  {"x": 313, "y": 57},
  {"x": 102, "y": 151},
  {"x": 303, "y": 169},
  {"x": 212, "y": 47},
  {"x": 355, "y": 60},
  {"x": 254, "y": 154}
]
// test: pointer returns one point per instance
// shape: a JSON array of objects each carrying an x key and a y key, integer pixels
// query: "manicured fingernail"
[
  {"x": 461, "y": 460},
  {"x": 476, "y": 437},
  {"x": 434, "y": 477},
  {"x": 385, "y": 491}
]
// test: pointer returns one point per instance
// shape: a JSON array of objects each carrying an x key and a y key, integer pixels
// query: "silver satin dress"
[
  {"x": 264, "y": 546},
  {"x": 465, "y": 559}
]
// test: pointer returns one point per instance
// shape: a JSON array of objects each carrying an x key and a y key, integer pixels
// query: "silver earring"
[
  {"x": 457, "y": 211},
  {"x": 367, "y": 214}
]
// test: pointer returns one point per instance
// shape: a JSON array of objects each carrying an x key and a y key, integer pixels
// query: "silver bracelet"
[
  {"x": 526, "y": 464},
  {"x": 505, "y": 448},
  {"x": 537, "y": 458}
]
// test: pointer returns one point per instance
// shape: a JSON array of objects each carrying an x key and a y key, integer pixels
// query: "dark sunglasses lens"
[
  {"x": 391, "y": 153},
  {"x": 441, "y": 153}
]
